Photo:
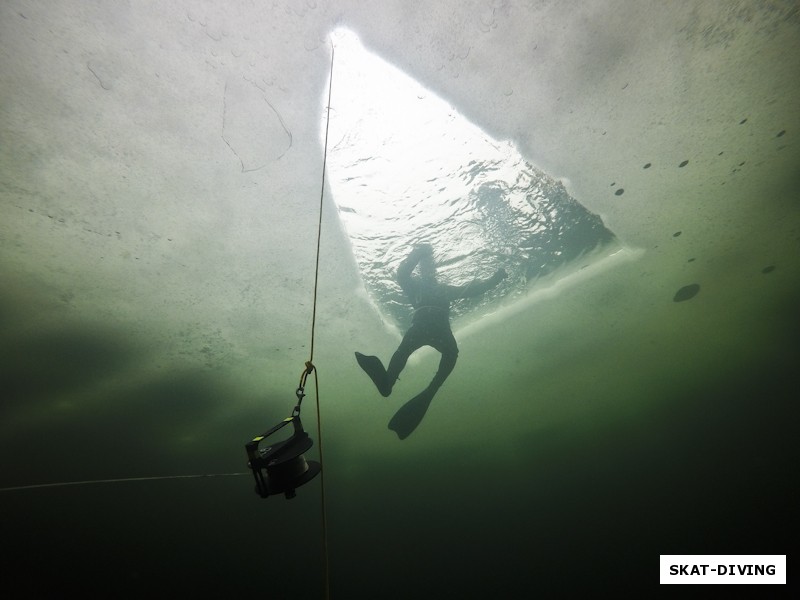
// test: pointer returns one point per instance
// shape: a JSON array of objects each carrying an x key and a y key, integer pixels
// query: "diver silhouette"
[{"x": 430, "y": 326}]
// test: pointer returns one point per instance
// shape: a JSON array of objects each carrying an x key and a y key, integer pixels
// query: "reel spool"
[{"x": 281, "y": 467}]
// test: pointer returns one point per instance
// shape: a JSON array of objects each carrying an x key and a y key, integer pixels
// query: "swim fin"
[
  {"x": 406, "y": 419},
  {"x": 373, "y": 367}
]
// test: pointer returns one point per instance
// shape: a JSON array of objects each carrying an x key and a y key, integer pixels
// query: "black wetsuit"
[{"x": 430, "y": 326}]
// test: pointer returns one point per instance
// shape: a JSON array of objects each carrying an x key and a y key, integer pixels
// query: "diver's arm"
[
  {"x": 409, "y": 262},
  {"x": 477, "y": 286}
]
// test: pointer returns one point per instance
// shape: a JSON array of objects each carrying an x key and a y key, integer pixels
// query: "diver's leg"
[
  {"x": 384, "y": 379},
  {"x": 412, "y": 341},
  {"x": 446, "y": 344},
  {"x": 406, "y": 419}
]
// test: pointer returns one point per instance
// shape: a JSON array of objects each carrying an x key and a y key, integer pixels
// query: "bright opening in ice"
[{"x": 405, "y": 167}]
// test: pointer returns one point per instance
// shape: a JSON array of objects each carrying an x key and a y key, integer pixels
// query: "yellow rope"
[
  {"x": 309, "y": 364},
  {"x": 310, "y": 368},
  {"x": 319, "y": 223}
]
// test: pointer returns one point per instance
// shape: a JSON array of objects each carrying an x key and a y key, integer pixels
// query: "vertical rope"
[
  {"x": 310, "y": 363},
  {"x": 322, "y": 499},
  {"x": 321, "y": 195}
]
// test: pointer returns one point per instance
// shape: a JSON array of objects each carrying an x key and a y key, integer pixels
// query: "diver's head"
[{"x": 427, "y": 269}]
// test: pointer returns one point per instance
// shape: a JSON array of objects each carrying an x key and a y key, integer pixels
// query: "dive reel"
[{"x": 281, "y": 466}]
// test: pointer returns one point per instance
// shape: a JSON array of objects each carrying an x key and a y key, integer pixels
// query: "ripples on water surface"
[{"x": 406, "y": 168}]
